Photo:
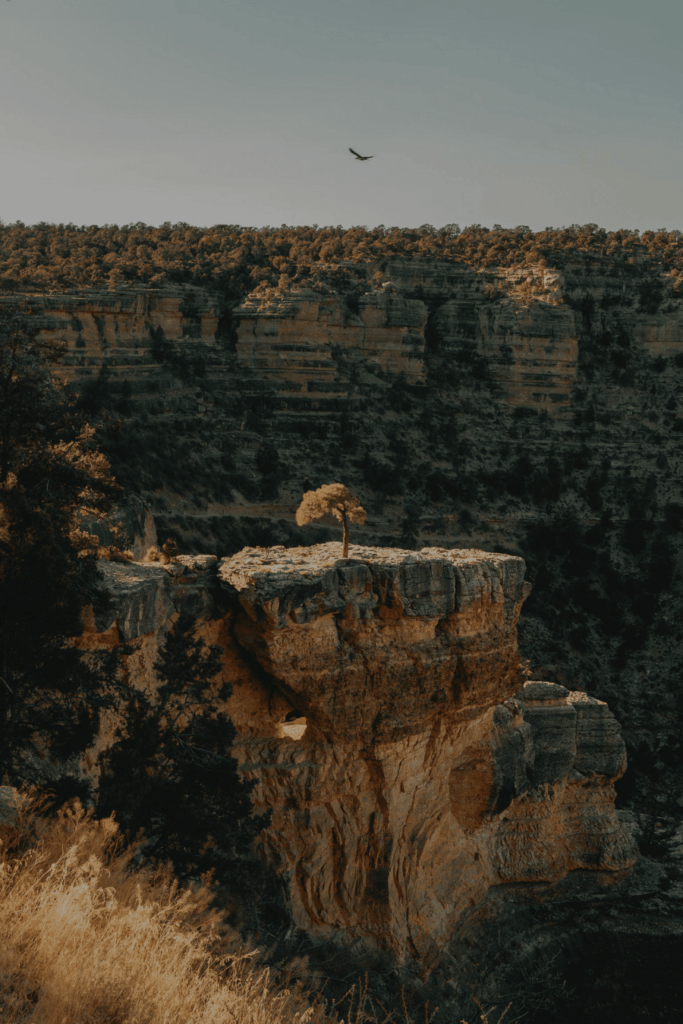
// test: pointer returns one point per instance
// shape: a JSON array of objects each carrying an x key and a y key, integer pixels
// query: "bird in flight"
[{"x": 358, "y": 156}]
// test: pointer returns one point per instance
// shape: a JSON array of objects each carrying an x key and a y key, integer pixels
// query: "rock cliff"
[
  {"x": 380, "y": 708},
  {"x": 424, "y": 386}
]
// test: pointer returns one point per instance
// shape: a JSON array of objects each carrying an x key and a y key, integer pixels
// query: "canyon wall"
[
  {"x": 294, "y": 338},
  {"x": 298, "y": 341},
  {"x": 424, "y": 387},
  {"x": 121, "y": 333},
  {"x": 381, "y": 711}
]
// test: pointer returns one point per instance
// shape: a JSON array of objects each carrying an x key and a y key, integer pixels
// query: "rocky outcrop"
[
  {"x": 380, "y": 711},
  {"x": 143, "y": 598},
  {"x": 420, "y": 781},
  {"x": 130, "y": 527}
]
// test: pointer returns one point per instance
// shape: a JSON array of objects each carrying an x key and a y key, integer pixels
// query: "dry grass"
[
  {"x": 83, "y": 940},
  {"x": 86, "y": 938}
]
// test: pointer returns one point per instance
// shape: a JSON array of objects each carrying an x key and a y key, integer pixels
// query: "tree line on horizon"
[{"x": 235, "y": 260}]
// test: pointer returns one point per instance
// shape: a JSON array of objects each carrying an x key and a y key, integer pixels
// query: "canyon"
[
  {"x": 487, "y": 416},
  {"x": 535, "y": 409}
]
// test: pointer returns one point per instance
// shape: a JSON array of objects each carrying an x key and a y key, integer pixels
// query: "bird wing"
[{"x": 355, "y": 154}]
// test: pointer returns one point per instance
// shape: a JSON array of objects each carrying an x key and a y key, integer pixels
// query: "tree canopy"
[
  {"x": 335, "y": 500},
  {"x": 170, "y": 773},
  {"x": 235, "y": 260}
]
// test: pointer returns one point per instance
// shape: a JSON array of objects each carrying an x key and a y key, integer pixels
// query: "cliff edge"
[
  {"x": 382, "y": 713},
  {"x": 409, "y": 771}
]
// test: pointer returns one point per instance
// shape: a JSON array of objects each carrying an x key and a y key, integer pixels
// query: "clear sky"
[{"x": 514, "y": 112}]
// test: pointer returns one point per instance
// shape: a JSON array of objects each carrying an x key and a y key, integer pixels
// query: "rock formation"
[
  {"x": 381, "y": 711},
  {"x": 293, "y": 338},
  {"x": 424, "y": 386},
  {"x": 118, "y": 328}
]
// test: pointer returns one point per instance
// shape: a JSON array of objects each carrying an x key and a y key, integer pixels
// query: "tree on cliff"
[
  {"x": 170, "y": 774},
  {"x": 332, "y": 499},
  {"x": 51, "y": 472}
]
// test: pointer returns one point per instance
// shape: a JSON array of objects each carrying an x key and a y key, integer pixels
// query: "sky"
[{"x": 508, "y": 112}]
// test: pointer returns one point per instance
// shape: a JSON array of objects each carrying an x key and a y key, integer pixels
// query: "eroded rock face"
[
  {"x": 118, "y": 328},
  {"x": 292, "y": 338},
  {"x": 144, "y": 598},
  {"x": 370, "y": 645},
  {"x": 379, "y": 708},
  {"x": 420, "y": 780}
]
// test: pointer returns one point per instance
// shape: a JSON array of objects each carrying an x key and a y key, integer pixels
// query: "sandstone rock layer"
[
  {"x": 380, "y": 710},
  {"x": 419, "y": 781}
]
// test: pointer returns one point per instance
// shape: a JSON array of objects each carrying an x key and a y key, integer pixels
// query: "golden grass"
[{"x": 83, "y": 940}]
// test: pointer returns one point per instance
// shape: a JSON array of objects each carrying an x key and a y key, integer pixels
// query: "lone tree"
[{"x": 334, "y": 499}]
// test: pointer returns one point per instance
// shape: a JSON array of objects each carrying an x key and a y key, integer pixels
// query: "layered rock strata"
[
  {"x": 118, "y": 328},
  {"x": 297, "y": 342},
  {"x": 293, "y": 338},
  {"x": 420, "y": 781},
  {"x": 379, "y": 710}
]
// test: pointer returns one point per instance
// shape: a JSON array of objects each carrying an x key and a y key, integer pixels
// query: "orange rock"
[{"x": 378, "y": 706}]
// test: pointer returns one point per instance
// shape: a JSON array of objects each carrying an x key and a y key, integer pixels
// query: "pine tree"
[
  {"x": 170, "y": 773},
  {"x": 51, "y": 474},
  {"x": 332, "y": 499}
]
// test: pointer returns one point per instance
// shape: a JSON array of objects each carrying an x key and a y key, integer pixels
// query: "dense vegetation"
[
  {"x": 235, "y": 260},
  {"x": 169, "y": 772},
  {"x": 594, "y": 503},
  {"x": 51, "y": 473}
]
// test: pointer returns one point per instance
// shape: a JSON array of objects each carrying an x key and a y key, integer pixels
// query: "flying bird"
[{"x": 358, "y": 156}]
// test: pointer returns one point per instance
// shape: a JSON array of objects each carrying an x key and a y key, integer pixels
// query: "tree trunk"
[{"x": 345, "y": 550}]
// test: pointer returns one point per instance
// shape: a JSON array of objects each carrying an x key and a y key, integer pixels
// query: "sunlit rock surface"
[
  {"x": 381, "y": 711},
  {"x": 292, "y": 337},
  {"x": 426, "y": 774}
]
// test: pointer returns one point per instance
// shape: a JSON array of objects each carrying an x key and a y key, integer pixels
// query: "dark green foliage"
[
  {"x": 96, "y": 393},
  {"x": 466, "y": 521},
  {"x": 267, "y": 458},
  {"x": 650, "y": 294},
  {"x": 170, "y": 773},
  {"x": 51, "y": 695},
  {"x": 439, "y": 486},
  {"x": 410, "y": 524},
  {"x": 673, "y": 516},
  {"x": 162, "y": 350},
  {"x": 383, "y": 475},
  {"x": 525, "y": 412}
]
